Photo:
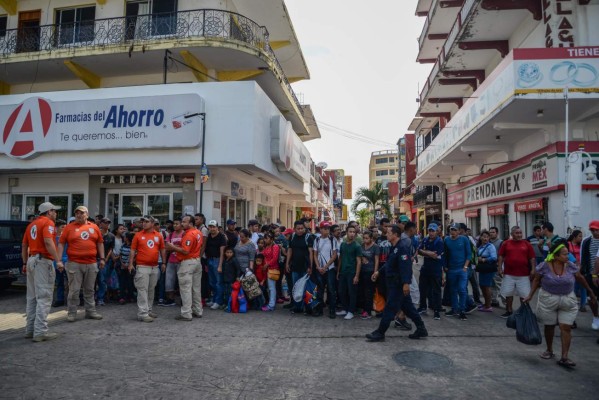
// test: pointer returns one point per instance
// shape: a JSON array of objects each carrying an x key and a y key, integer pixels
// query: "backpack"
[
  {"x": 317, "y": 245},
  {"x": 307, "y": 238}
]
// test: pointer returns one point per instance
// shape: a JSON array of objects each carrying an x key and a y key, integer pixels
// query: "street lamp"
[{"x": 203, "y": 116}]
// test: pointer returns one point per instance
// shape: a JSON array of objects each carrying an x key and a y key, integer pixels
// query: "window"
[
  {"x": 150, "y": 18},
  {"x": 381, "y": 160},
  {"x": 75, "y": 25},
  {"x": 3, "y": 22},
  {"x": 382, "y": 172}
]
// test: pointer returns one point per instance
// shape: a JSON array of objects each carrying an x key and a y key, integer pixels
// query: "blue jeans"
[
  {"x": 578, "y": 288},
  {"x": 272, "y": 293},
  {"x": 215, "y": 280},
  {"x": 458, "y": 282},
  {"x": 332, "y": 289},
  {"x": 59, "y": 281},
  {"x": 103, "y": 275}
]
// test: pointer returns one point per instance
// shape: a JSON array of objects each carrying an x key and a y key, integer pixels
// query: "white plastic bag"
[{"x": 299, "y": 287}]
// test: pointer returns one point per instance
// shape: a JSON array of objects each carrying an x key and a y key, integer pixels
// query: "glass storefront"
[
  {"x": 124, "y": 207},
  {"x": 23, "y": 205}
]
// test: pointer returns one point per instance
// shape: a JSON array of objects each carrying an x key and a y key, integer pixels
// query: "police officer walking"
[
  {"x": 38, "y": 253},
  {"x": 398, "y": 275},
  {"x": 84, "y": 246}
]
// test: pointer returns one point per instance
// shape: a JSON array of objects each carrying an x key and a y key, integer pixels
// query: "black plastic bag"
[
  {"x": 527, "y": 328},
  {"x": 510, "y": 322}
]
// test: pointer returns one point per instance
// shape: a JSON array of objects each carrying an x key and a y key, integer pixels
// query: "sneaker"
[
  {"x": 147, "y": 318},
  {"x": 420, "y": 332},
  {"x": 93, "y": 315},
  {"x": 28, "y": 335},
  {"x": 365, "y": 315},
  {"x": 342, "y": 312},
  {"x": 583, "y": 308},
  {"x": 375, "y": 336},
  {"x": 168, "y": 303},
  {"x": 348, "y": 316},
  {"x": 450, "y": 313},
  {"x": 100, "y": 303},
  {"x": 421, "y": 311},
  {"x": 484, "y": 309},
  {"x": 195, "y": 315},
  {"x": 507, "y": 314},
  {"x": 266, "y": 308},
  {"x": 182, "y": 318},
  {"x": 214, "y": 306},
  {"x": 153, "y": 314},
  {"x": 71, "y": 317},
  {"x": 160, "y": 301},
  {"x": 463, "y": 317},
  {"x": 471, "y": 308},
  {"x": 595, "y": 324},
  {"x": 403, "y": 324},
  {"x": 45, "y": 337},
  {"x": 209, "y": 304},
  {"x": 437, "y": 316}
]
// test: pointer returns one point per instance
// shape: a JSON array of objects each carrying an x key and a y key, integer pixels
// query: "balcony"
[
  {"x": 438, "y": 23},
  {"x": 232, "y": 45}
]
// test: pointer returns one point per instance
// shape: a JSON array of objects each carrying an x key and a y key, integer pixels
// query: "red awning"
[
  {"x": 497, "y": 210},
  {"x": 473, "y": 213},
  {"x": 529, "y": 205}
]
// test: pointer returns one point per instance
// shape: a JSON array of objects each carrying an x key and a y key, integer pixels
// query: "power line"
[{"x": 353, "y": 135}]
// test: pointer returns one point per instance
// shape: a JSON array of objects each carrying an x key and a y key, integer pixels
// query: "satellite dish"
[{"x": 322, "y": 165}]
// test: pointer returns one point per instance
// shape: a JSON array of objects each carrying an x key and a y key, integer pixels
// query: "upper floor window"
[
  {"x": 75, "y": 25},
  {"x": 150, "y": 18},
  {"x": 383, "y": 160},
  {"x": 3, "y": 22},
  {"x": 382, "y": 172}
]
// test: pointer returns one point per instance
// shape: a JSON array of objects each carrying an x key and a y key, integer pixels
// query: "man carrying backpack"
[
  {"x": 299, "y": 258},
  {"x": 431, "y": 273},
  {"x": 325, "y": 274}
]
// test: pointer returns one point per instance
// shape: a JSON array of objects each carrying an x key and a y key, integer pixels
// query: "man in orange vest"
[
  {"x": 147, "y": 246},
  {"x": 190, "y": 270},
  {"x": 85, "y": 246},
  {"x": 38, "y": 253}
]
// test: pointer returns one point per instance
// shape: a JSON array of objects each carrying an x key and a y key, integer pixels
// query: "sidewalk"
[{"x": 280, "y": 356}]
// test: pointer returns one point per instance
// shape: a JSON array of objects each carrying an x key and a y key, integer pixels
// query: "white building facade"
[{"x": 494, "y": 111}]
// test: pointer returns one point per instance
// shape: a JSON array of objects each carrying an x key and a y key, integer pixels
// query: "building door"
[
  {"x": 131, "y": 206},
  {"x": 28, "y": 38},
  {"x": 126, "y": 205}
]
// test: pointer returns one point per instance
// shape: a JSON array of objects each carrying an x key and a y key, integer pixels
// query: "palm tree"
[
  {"x": 373, "y": 199},
  {"x": 363, "y": 216}
]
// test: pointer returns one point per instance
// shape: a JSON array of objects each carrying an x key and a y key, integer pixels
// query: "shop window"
[
  {"x": 16, "y": 207},
  {"x": 24, "y": 205},
  {"x": 178, "y": 204},
  {"x": 75, "y": 25}
]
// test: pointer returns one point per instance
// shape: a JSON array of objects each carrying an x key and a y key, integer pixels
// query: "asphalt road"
[{"x": 281, "y": 356}]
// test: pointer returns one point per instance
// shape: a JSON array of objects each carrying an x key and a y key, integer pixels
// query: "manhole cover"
[{"x": 422, "y": 360}]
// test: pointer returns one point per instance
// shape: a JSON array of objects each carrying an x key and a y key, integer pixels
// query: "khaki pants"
[
  {"x": 190, "y": 287},
  {"x": 81, "y": 274},
  {"x": 145, "y": 283},
  {"x": 40, "y": 287}
]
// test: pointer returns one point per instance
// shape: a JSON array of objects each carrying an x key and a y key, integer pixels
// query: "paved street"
[{"x": 279, "y": 356}]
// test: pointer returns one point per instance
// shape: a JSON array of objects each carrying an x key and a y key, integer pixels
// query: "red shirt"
[
  {"x": 192, "y": 242},
  {"x": 148, "y": 246},
  {"x": 82, "y": 240},
  {"x": 260, "y": 272},
  {"x": 271, "y": 256},
  {"x": 37, "y": 231},
  {"x": 516, "y": 255}
]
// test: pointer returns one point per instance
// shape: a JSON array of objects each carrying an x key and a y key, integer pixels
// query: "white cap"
[
  {"x": 47, "y": 206},
  {"x": 212, "y": 223}
]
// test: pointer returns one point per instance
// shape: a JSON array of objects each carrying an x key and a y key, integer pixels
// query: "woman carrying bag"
[
  {"x": 486, "y": 268},
  {"x": 271, "y": 258}
]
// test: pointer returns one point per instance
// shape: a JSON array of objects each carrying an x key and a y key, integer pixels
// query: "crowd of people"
[{"x": 353, "y": 272}]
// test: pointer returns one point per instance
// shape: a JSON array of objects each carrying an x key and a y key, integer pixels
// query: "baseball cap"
[
  {"x": 404, "y": 218},
  {"x": 212, "y": 223},
  {"x": 253, "y": 222},
  {"x": 47, "y": 206},
  {"x": 594, "y": 224},
  {"x": 231, "y": 222},
  {"x": 325, "y": 224},
  {"x": 433, "y": 227},
  {"x": 105, "y": 220},
  {"x": 82, "y": 209},
  {"x": 454, "y": 226},
  {"x": 147, "y": 218},
  {"x": 71, "y": 219},
  {"x": 288, "y": 231}
]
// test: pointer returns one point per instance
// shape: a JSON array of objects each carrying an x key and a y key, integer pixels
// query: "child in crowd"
[
  {"x": 261, "y": 245},
  {"x": 261, "y": 272},
  {"x": 126, "y": 277},
  {"x": 231, "y": 271}
]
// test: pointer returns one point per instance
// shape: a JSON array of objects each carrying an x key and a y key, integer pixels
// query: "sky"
[{"x": 364, "y": 77}]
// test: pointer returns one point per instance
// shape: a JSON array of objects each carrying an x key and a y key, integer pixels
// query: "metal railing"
[{"x": 101, "y": 33}]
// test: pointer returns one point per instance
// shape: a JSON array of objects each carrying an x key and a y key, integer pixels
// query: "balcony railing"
[{"x": 102, "y": 33}]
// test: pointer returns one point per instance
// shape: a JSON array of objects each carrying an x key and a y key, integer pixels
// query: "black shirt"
[
  {"x": 232, "y": 238},
  {"x": 213, "y": 245},
  {"x": 300, "y": 246}
]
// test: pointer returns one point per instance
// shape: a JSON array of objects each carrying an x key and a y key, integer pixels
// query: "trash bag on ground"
[{"x": 527, "y": 328}]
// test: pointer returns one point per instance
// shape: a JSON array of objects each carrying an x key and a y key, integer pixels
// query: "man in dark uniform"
[{"x": 398, "y": 272}]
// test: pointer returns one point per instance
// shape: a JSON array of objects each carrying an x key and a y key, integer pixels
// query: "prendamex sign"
[{"x": 39, "y": 125}]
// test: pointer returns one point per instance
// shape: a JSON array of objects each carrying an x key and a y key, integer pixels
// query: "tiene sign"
[{"x": 39, "y": 125}]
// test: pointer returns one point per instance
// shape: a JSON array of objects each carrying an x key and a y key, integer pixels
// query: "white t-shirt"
[{"x": 325, "y": 248}]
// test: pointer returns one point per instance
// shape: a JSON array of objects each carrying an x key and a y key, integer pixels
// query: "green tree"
[
  {"x": 363, "y": 216},
  {"x": 374, "y": 199}
]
